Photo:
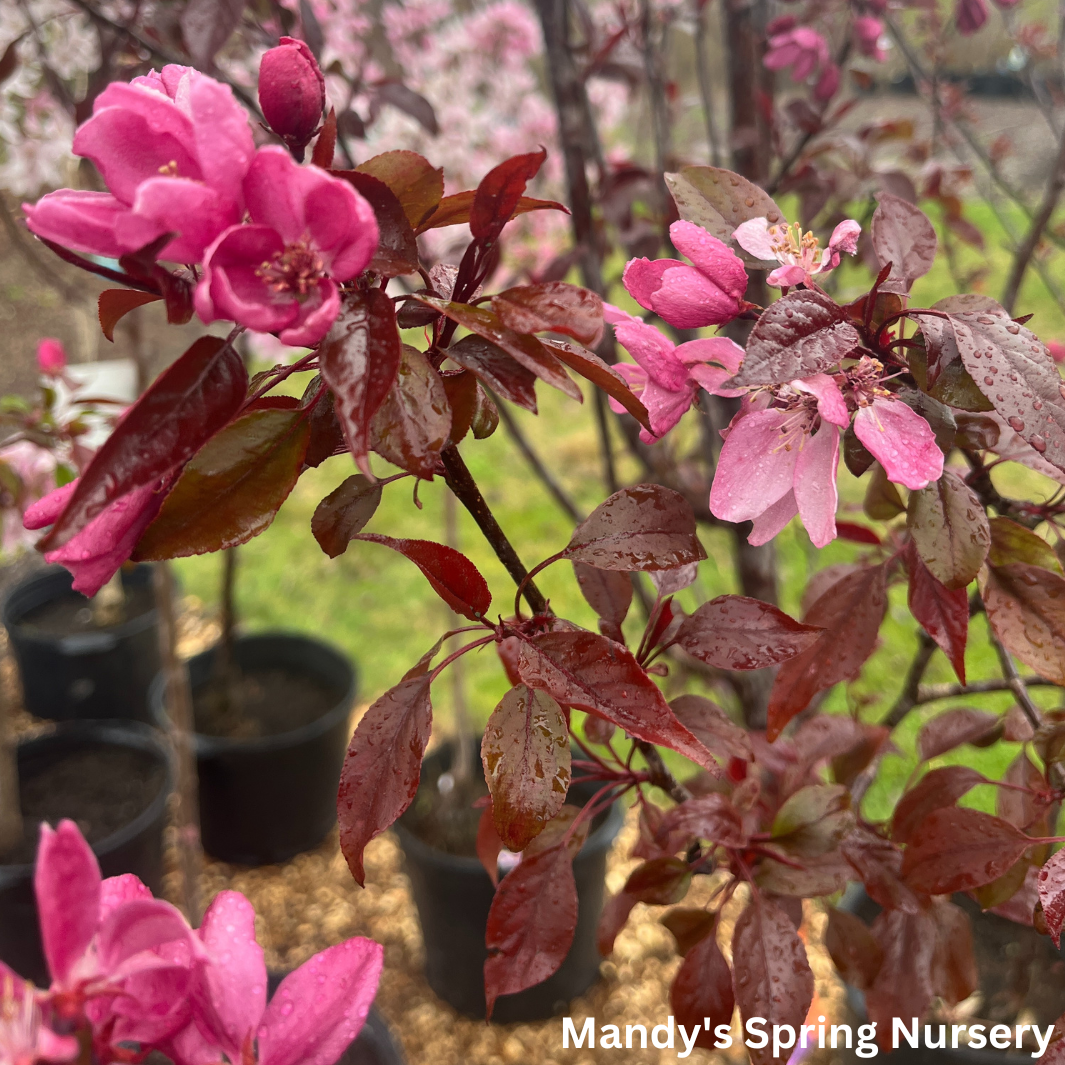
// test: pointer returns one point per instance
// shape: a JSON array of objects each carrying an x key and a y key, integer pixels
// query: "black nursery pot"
[
  {"x": 136, "y": 847},
  {"x": 266, "y": 799},
  {"x": 373, "y": 1045},
  {"x": 102, "y": 673},
  {"x": 856, "y": 901},
  {"x": 454, "y": 894}
]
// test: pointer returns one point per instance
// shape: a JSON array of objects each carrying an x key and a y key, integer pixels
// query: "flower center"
[
  {"x": 800, "y": 417},
  {"x": 294, "y": 272},
  {"x": 169, "y": 169},
  {"x": 864, "y": 380},
  {"x": 790, "y": 244}
]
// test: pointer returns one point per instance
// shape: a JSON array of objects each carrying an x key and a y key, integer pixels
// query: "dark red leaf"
[
  {"x": 690, "y": 926},
  {"x": 499, "y": 192},
  {"x": 528, "y": 351},
  {"x": 412, "y": 103},
  {"x": 954, "y": 976},
  {"x": 413, "y": 424},
  {"x": 1026, "y": 608},
  {"x": 488, "y": 843},
  {"x": 941, "y": 611},
  {"x": 856, "y": 955},
  {"x": 858, "y": 534},
  {"x": 176, "y": 415},
  {"x": 1052, "y": 894},
  {"x": 417, "y": 184},
  {"x": 232, "y": 489},
  {"x": 799, "y": 335},
  {"x": 615, "y": 917},
  {"x": 460, "y": 390},
  {"x": 602, "y": 375},
  {"x": 1023, "y": 808},
  {"x": 397, "y": 249},
  {"x": 531, "y": 924},
  {"x": 344, "y": 513},
  {"x": 115, "y": 303},
  {"x": 501, "y": 373},
  {"x": 608, "y": 593},
  {"x": 827, "y": 736},
  {"x": 936, "y": 789},
  {"x": 957, "y": 849},
  {"x": 952, "y": 728},
  {"x": 553, "y": 306},
  {"x": 453, "y": 576},
  {"x": 485, "y": 416},
  {"x": 591, "y": 673},
  {"x": 950, "y": 530},
  {"x": 902, "y": 236},
  {"x": 701, "y": 995},
  {"x": 9, "y": 60},
  {"x": 878, "y": 863},
  {"x": 850, "y": 613},
  {"x": 659, "y": 882},
  {"x": 526, "y": 759},
  {"x": 360, "y": 360},
  {"x": 327, "y": 436},
  {"x": 903, "y": 986},
  {"x": 455, "y": 210},
  {"x": 711, "y": 817},
  {"x": 326, "y": 145},
  {"x": 770, "y": 972},
  {"x": 734, "y": 632},
  {"x": 384, "y": 763},
  {"x": 645, "y": 527},
  {"x": 712, "y": 727}
]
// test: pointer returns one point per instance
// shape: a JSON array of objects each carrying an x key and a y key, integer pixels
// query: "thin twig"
[
  {"x": 1014, "y": 681},
  {"x": 909, "y": 697},
  {"x": 931, "y": 693},
  {"x": 661, "y": 777}
]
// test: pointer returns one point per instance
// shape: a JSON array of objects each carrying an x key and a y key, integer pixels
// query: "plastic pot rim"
[
  {"x": 208, "y": 746},
  {"x": 117, "y": 733}
]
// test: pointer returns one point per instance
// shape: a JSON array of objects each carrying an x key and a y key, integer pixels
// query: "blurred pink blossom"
[
  {"x": 970, "y": 16},
  {"x": 799, "y": 253},
  {"x": 51, "y": 356},
  {"x": 24, "y": 1038},
  {"x": 803, "y": 49}
]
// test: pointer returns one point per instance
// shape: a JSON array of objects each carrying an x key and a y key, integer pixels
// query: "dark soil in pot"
[
  {"x": 112, "y": 779},
  {"x": 454, "y": 894},
  {"x": 70, "y": 666},
  {"x": 269, "y": 751},
  {"x": 1021, "y": 977}
]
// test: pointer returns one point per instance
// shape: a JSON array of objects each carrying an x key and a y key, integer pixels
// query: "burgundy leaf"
[
  {"x": 492, "y": 365},
  {"x": 903, "y": 986},
  {"x": 711, "y": 817},
  {"x": 659, "y": 882},
  {"x": 954, "y": 976},
  {"x": 645, "y": 527},
  {"x": 878, "y": 863},
  {"x": 413, "y": 424},
  {"x": 771, "y": 975},
  {"x": 827, "y": 736},
  {"x": 594, "y": 674},
  {"x": 822, "y": 875},
  {"x": 325, "y": 146},
  {"x": 453, "y": 576},
  {"x": 799, "y": 335},
  {"x": 1022, "y": 808},
  {"x": 701, "y": 995},
  {"x": 952, "y": 728},
  {"x": 1014, "y": 369},
  {"x": 734, "y": 632},
  {"x": 553, "y": 306},
  {"x": 941, "y": 611},
  {"x": 488, "y": 843},
  {"x": 456, "y": 209},
  {"x": 1052, "y": 894},
  {"x": 360, "y": 359},
  {"x": 856, "y": 955},
  {"x": 190, "y": 401},
  {"x": 344, "y": 513},
  {"x": 531, "y": 924},
  {"x": 460, "y": 390},
  {"x": 957, "y": 849},
  {"x": 712, "y": 727},
  {"x": 416, "y": 183},
  {"x": 1026, "y": 608},
  {"x": 327, "y": 436},
  {"x": 383, "y": 764},
  {"x": 405, "y": 99},
  {"x": 527, "y": 350},
  {"x": 949, "y": 529},
  {"x": 850, "y": 613},
  {"x": 902, "y": 236},
  {"x": 936, "y": 789},
  {"x": 608, "y": 593},
  {"x": 116, "y": 303},
  {"x": 526, "y": 759},
  {"x": 690, "y": 926},
  {"x": 615, "y": 917},
  {"x": 601, "y": 374},
  {"x": 397, "y": 247},
  {"x": 857, "y": 534},
  {"x": 500, "y": 190}
]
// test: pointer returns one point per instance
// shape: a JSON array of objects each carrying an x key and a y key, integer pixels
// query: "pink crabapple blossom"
[
  {"x": 867, "y": 32},
  {"x": 970, "y": 16},
  {"x": 292, "y": 93},
  {"x": 709, "y": 292},
  {"x": 173, "y": 148},
  {"x": 803, "y": 49},
  {"x": 800, "y": 254},
  {"x": 279, "y": 273},
  {"x": 24, "y": 1037},
  {"x": 51, "y": 356},
  {"x": 667, "y": 377}
]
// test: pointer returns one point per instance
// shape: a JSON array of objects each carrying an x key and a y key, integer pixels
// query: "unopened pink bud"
[
  {"x": 51, "y": 358},
  {"x": 1057, "y": 350},
  {"x": 292, "y": 93}
]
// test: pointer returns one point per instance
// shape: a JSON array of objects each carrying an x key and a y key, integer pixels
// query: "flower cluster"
[
  {"x": 177, "y": 153},
  {"x": 126, "y": 969}
]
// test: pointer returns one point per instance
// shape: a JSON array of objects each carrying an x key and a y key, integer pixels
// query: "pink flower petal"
[
  {"x": 753, "y": 237},
  {"x": 643, "y": 278},
  {"x": 653, "y": 351},
  {"x": 711, "y": 257},
  {"x": 142, "y": 925},
  {"x": 314, "y": 316},
  {"x": 786, "y": 276},
  {"x": 223, "y": 137},
  {"x": 830, "y": 402},
  {"x": 724, "y": 352},
  {"x": 665, "y": 407},
  {"x": 342, "y": 226},
  {"x": 48, "y": 508},
  {"x": 616, "y": 316},
  {"x": 635, "y": 377},
  {"x": 193, "y": 210},
  {"x": 771, "y": 522},
  {"x": 688, "y": 299},
  {"x": 82, "y": 221},
  {"x": 754, "y": 469},
  {"x": 321, "y": 1007},
  {"x": 67, "y": 883},
  {"x": 845, "y": 236},
  {"x": 901, "y": 441},
  {"x": 815, "y": 484},
  {"x": 116, "y": 890}
]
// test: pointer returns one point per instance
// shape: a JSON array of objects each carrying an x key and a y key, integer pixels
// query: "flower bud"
[
  {"x": 292, "y": 93},
  {"x": 51, "y": 358}
]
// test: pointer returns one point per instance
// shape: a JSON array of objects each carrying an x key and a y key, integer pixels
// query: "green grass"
[{"x": 378, "y": 608}]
